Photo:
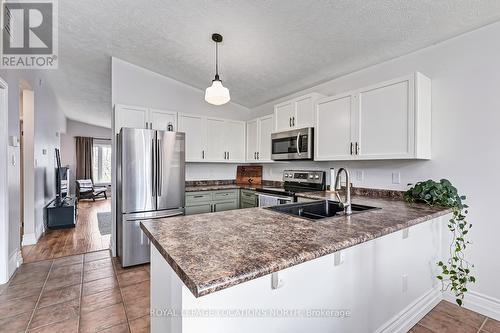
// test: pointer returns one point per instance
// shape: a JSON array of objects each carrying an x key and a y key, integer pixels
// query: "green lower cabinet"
[
  {"x": 247, "y": 205},
  {"x": 248, "y": 199},
  {"x": 225, "y": 205},
  {"x": 211, "y": 201},
  {"x": 198, "y": 209}
]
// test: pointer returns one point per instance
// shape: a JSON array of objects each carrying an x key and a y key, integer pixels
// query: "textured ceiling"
[{"x": 270, "y": 48}]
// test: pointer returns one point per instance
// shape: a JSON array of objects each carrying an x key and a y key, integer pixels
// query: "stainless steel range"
[{"x": 295, "y": 181}]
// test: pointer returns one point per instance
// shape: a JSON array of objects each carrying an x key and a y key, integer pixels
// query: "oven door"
[{"x": 292, "y": 145}]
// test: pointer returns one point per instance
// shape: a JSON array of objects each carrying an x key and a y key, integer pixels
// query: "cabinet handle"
[
  {"x": 211, "y": 208},
  {"x": 203, "y": 154},
  {"x": 254, "y": 155},
  {"x": 215, "y": 207},
  {"x": 197, "y": 196},
  {"x": 293, "y": 121},
  {"x": 258, "y": 155},
  {"x": 352, "y": 148},
  {"x": 290, "y": 121},
  {"x": 151, "y": 125},
  {"x": 227, "y": 155},
  {"x": 357, "y": 148}
]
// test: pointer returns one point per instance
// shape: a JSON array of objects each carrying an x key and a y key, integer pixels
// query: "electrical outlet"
[
  {"x": 396, "y": 178},
  {"x": 404, "y": 283},
  {"x": 359, "y": 175}
]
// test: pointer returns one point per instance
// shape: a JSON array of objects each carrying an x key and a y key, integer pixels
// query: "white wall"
[
  {"x": 465, "y": 73},
  {"x": 68, "y": 148},
  {"x": 49, "y": 121}
]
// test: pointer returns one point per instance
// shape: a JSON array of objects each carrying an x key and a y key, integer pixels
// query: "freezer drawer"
[{"x": 135, "y": 244}]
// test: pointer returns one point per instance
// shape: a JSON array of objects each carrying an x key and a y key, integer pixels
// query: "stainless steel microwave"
[{"x": 290, "y": 145}]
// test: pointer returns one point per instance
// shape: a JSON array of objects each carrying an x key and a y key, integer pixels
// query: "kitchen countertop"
[{"x": 214, "y": 251}]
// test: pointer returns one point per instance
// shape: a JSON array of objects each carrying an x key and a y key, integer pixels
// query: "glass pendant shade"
[{"x": 217, "y": 94}]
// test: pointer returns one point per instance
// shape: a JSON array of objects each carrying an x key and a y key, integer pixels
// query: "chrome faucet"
[{"x": 347, "y": 203}]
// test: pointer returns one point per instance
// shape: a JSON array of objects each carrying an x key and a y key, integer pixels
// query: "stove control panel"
[{"x": 303, "y": 176}]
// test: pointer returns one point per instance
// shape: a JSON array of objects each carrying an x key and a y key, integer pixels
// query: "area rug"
[{"x": 104, "y": 222}]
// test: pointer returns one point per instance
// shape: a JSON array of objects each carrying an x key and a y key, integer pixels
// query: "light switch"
[
  {"x": 359, "y": 175},
  {"x": 338, "y": 258}
]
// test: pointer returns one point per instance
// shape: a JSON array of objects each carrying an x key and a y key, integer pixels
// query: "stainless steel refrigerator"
[{"x": 151, "y": 183}]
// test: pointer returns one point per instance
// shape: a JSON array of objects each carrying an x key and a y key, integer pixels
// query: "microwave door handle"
[{"x": 298, "y": 143}]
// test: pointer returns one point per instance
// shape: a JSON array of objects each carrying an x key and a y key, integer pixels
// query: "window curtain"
[{"x": 84, "y": 147}]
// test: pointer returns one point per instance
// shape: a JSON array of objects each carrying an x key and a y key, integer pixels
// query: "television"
[{"x": 62, "y": 177}]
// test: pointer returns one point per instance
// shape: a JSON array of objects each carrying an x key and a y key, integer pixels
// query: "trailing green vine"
[{"x": 456, "y": 271}]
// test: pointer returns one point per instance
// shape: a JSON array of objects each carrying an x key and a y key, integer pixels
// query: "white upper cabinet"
[
  {"x": 235, "y": 140},
  {"x": 212, "y": 139},
  {"x": 295, "y": 113},
  {"x": 266, "y": 125},
  {"x": 196, "y": 133},
  {"x": 130, "y": 116},
  {"x": 259, "y": 139},
  {"x": 334, "y": 136},
  {"x": 160, "y": 119},
  {"x": 216, "y": 137},
  {"x": 252, "y": 144},
  {"x": 388, "y": 120}
]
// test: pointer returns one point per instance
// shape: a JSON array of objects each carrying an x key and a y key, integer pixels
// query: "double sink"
[{"x": 317, "y": 210}]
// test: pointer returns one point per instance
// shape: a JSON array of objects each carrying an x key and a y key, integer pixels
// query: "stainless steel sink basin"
[{"x": 317, "y": 210}]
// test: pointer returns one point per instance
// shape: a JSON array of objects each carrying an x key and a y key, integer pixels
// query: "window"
[{"x": 101, "y": 162}]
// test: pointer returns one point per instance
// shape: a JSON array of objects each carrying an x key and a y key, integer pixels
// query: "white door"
[
  {"x": 386, "y": 120},
  {"x": 252, "y": 140},
  {"x": 235, "y": 140},
  {"x": 160, "y": 119},
  {"x": 334, "y": 121},
  {"x": 216, "y": 145},
  {"x": 284, "y": 114},
  {"x": 265, "y": 130},
  {"x": 130, "y": 116},
  {"x": 196, "y": 136},
  {"x": 304, "y": 109}
]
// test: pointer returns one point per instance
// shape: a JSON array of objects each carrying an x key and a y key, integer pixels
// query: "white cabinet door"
[
  {"x": 196, "y": 136},
  {"x": 235, "y": 140},
  {"x": 386, "y": 120},
  {"x": 160, "y": 119},
  {"x": 130, "y": 116},
  {"x": 304, "y": 111},
  {"x": 265, "y": 130},
  {"x": 334, "y": 122},
  {"x": 284, "y": 114},
  {"x": 252, "y": 140},
  {"x": 216, "y": 145}
]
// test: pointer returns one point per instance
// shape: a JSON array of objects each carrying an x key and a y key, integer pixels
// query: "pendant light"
[{"x": 217, "y": 94}]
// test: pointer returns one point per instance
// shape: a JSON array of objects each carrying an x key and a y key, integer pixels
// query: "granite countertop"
[{"x": 214, "y": 251}]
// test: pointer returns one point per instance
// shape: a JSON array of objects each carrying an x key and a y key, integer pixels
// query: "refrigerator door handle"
[
  {"x": 153, "y": 167},
  {"x": 160, "y": 166}
]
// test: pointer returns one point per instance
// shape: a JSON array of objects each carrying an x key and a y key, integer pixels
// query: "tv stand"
[{"x": 61, "y": 213}]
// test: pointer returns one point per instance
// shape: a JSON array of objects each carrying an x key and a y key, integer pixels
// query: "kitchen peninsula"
[{"x": 255, "y": 270}]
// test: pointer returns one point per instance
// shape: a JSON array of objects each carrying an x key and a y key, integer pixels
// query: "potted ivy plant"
[{"x": 455, "y": 272}]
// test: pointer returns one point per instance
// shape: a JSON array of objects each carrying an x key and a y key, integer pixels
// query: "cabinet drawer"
[
  {"x": 198, "y": 209},
  {"x": 193, "y": 198},
  {"x": 225, "y": 195}
]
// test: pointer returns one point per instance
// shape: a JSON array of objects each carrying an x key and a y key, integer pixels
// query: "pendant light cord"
[{"x": 216, "y": 60}]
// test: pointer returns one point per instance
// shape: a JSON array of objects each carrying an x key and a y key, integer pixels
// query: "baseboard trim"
[
  {"x": 408, "y": 317},
  {"x": 15, "y": 260},
  {"x": 479, "y": 303},
  {"x": 29, "y": 239}
]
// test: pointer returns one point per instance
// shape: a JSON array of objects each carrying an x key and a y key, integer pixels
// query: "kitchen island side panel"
[{"x": 375, "y": 286}]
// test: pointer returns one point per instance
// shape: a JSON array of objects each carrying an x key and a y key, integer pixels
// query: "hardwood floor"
[
  {"x": 80, "y": 293},
  {"x": 84, "y": 237}
]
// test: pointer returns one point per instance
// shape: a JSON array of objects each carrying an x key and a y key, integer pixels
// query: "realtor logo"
[{"x": 29, "y": 34}]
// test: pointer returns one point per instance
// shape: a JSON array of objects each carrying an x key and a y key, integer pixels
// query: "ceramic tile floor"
[
  {"x": 450, "y": 318},
  {"x": 81, "y": 293},
  {"x": 92, "y": 293}
]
